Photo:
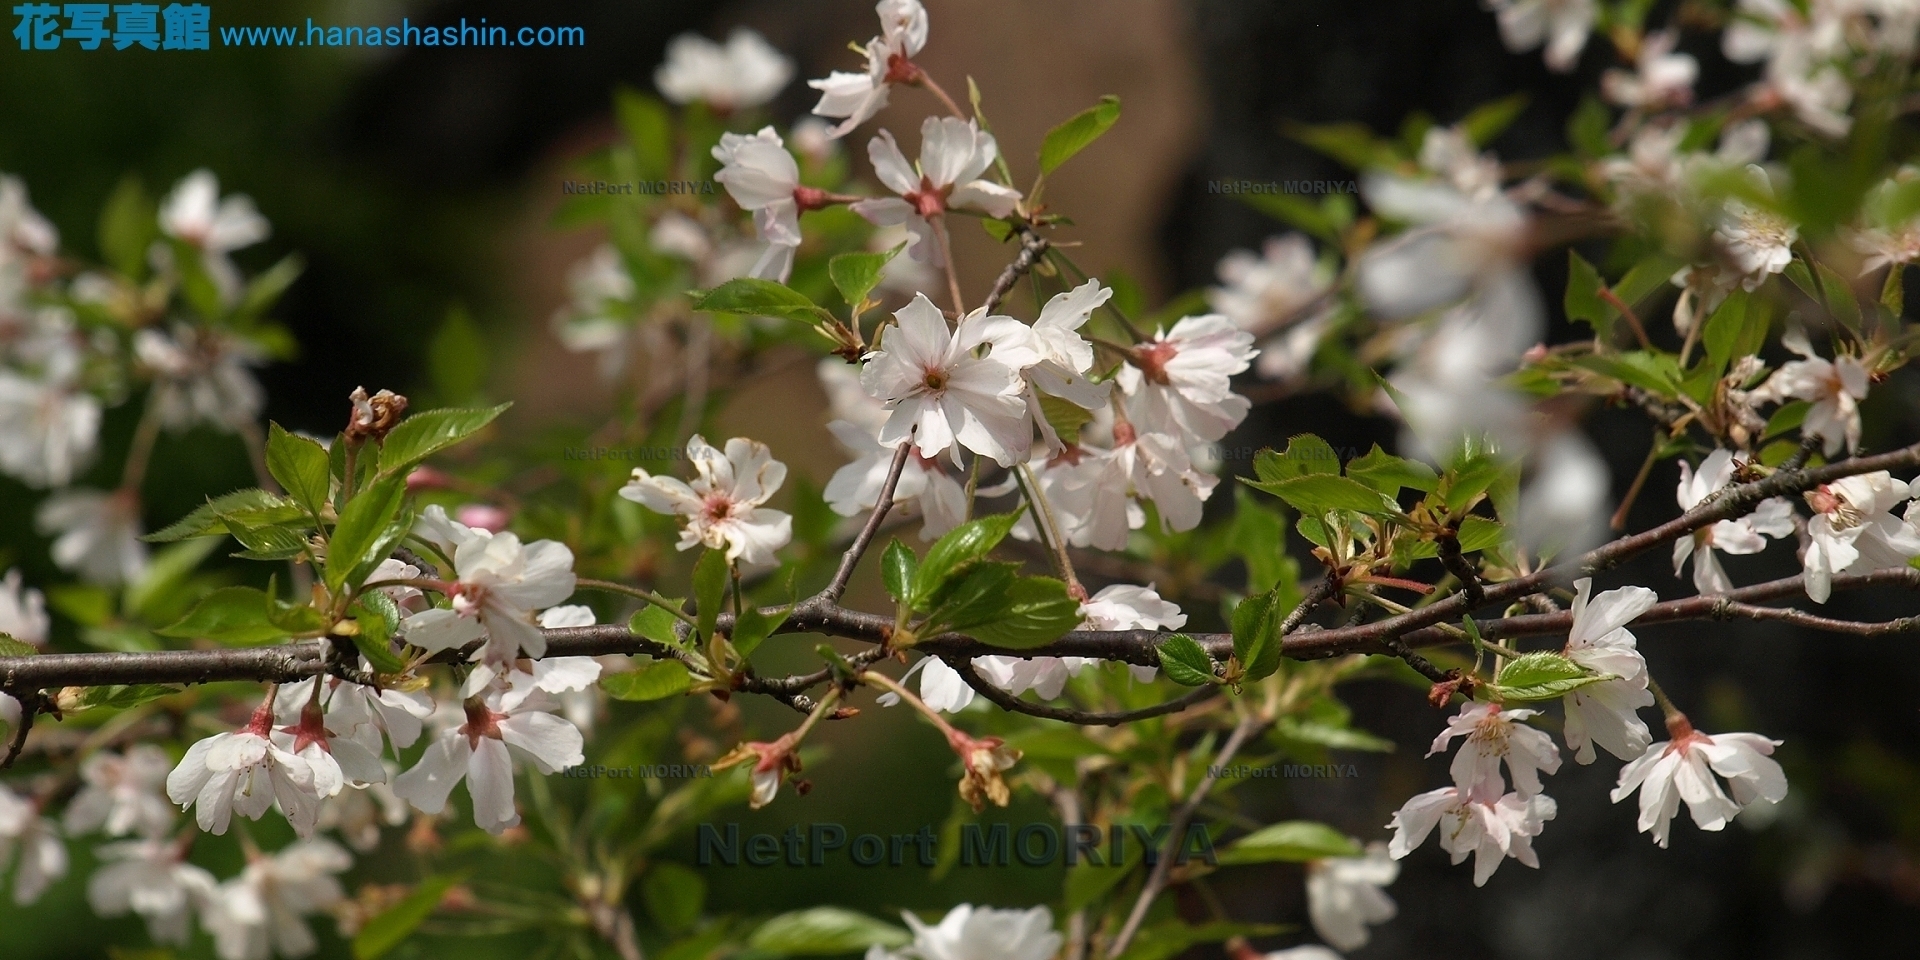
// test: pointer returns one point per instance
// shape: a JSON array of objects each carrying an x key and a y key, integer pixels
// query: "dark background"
[{"x": 403, "y": 179}]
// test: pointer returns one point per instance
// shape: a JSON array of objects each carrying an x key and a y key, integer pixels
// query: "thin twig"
[
  {"x": 848, "y": 561},
  {"x": 1007, "y": 701}
]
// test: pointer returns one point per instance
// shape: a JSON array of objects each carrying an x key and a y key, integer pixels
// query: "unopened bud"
[{"x": 373, "y": 416}]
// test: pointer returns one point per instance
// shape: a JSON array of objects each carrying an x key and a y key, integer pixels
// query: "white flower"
[
  {"x": 1835, "y": 388},
  {"x": 43, "y": 857},
  {"x": 1685, "y": 769},
  {"x": 501, "y": 583},
  {"x": 260, "y": 914},
  {"x": 1563, "y": 505},
  {"x": 327, "y": 743},
  {"x": 1095, "y": 491},
  {"x": 1800, "y": 56},
  {"x": 724, "y": 505},
  {"x": 1181, "y": 382},
  {"x": 939, "y": 393},
  {"x": 855, "y": 488},
  {"x": 245, "y": 772},
  {"x": 745, "y": 73},
  {"x": 202, "y": 376},
  {"x": 1740, "y": 537},
  {"x": 23, "y": 611},
  {"x": 1126, "y": 607},
  {"x": 1853, "y": 530},
  {"x": 1306, "y": 951},
  {"x": 597, "y": 319},
  {"x": 1661, "y": 78},
  {"x": 762, "y": 178},
  {"x": 1051, "y": 354},
  {"x": 122, "y": 794},
  {"x": 1605, "y": 712},
  {"x": 953, "y": 155},
  {"x": 858, "y": 96},
  {"x": 194, "y": 213},
  {"x": 1562, "y": 25},
  {"x": 476, "y": 751},
  {"x": 96, "y": 534},
  {"x": 22, "y": 228},
  {"x": 1344, "y": 895},
  {"x": 151, "y": 878},
  {"x": 968, "y": 932},
  {"x": 359, "y": 814},
  {"x": 1491, "y": 830},
  {"x": 1494, "y": 735},
  {"x": 1259, "y": 293},
  {"x": 48, "y": 427},
  {"x": 1759, "y": 241}
]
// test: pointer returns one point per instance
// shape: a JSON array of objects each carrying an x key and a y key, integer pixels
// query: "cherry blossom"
[
  {"x": 23, "y": 611},
  {"x": 122, "y": 794},
  {"x": 1685, "y": 768},
  {"x": 1494, "y": 735},
  {"x": 597, "y": 320},
  {"x": 1270, "y": 290},
  {"x": 153, "y": 879},
  {"x": 1180, "y": 383},
  {"x": 1606, "y": 712},
  {"x": 1489, "y": 829},
  {"x": 501, "y": 583},
  {"x": 22, "y": 229},
  {"x": 245, "y": 772},
  {"x": 1854, "y": 530},
  {"x": 202, "y": 376},
  {"x": 261, "y": 913},
  {"x": 1835, "y": 388},
  {"x": 1345, "y": 895},
  {"x": 477, "y": 751},
  {"x": 762, "y": 178},
  {"x": 968, "y": 932},
  {"x": 745, "y": 73},
  {"x": 195, "y": 214},
  {"x": 925, "y": 482},
  {"x": 43, "y": 856},
  {"x": 1660, "y": 79},
  {"x": 1759, "y": 240},
  {"x": 49, "y": 426},
  {"x": 953, "y": 155},
  {"x": 96, "y": 534},
  {"x": 939, "y": 393},
  {"x": 1122, "y": 606},
  {"x": 1741, "y": 536},
  {"x": 1051, "y": 354},
  {"x": 724, "y": 506},
  {"x": 858, "y": 96},
  {"x": 1562, "y": 25}
]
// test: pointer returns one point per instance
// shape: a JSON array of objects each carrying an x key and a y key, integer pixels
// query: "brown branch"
[
  {"x": 838, "y": 585},
  {"x": 1032, "y": 248},
  {"x": 1007, "y": 701}
]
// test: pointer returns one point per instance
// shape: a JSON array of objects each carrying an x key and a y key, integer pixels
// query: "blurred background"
[{"x": 418, "y": 181}]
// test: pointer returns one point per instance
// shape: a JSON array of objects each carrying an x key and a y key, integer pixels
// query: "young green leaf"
[
  {"x": 856, "y": 274},
  {"x": 1582, "y": 300},
  {"x": 1322, "y": 493},
  {"x": 457, "y": 358},
  {"x": 1294, "y": 841},
  {"x": 378, "y": 617},
  {"x": 1490, "y": 119},
  {"x": 300, "y": 465},
  {"x": 824, "y": 931},
  {"x": 1541, "y": 676},
  {"x": 962, "y": 545},
  {"x": 425, "y": 434},
  {"x": 753, "y": 297},
  {"x": 1185, "y": 661},
  {"x": 9, "y": 647},
  {"x": 1387, "y": 473},
  {"x": 253, "y": 505},
  {"x": 128, "y": 226},
  {"x": 236, "y": 616},
  {"x": 1256, "y": 644},
  {"x": 655, "y": 624},
  {"x": 1038, "y": 611},
  {"x": 754, "y": 627},
  {"x": 655, "y": 681},
  {"x": 710, "y": 588},
  {"x": 1077, "y": 133},
  {"x": 673, "y": 894},
  {"x": 363, "y": 528},
  {"x": 392, "y": 926},
  {"x": 897, "y": 567}
]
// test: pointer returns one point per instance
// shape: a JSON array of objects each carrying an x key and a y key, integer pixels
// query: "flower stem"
[
  {"x": 893, "y": 686},
  {"x": 1049, "y": 528},
  {"x": 934, "y": 88},
  {"x": 946, "y": 259}
]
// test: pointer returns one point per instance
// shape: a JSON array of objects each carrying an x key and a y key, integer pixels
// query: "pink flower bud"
[{"x": 481, "y": 516}]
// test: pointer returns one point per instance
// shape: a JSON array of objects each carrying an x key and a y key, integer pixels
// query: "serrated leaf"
[
  {"x": 823, "y": 931},
  {"x": 1479, "y": 533},
  {"x": 897, "y": 567},
  {"x": 363, "y": 527},
  {"x": 1185, "y": 661},
  {"x": 122, "y": 696},
  {"x": 1324, "y": 493},
  {"x": 1388, "y": 474},
  {"x": 754, "y": 627},
  {"x": 709, "y": 589},
  {"x": 1541, "y": 676},
  {"x": 1064, "y": 416},
  {"x": 1723, "y": 331},
  {"x": 1038, "y": 610},
  {"x": 856, "y": 274},
  {"x": 378, "y": 617},
  {"x": 1295, "y": 841},
  {"x": 754, "y": 297},
  {"x": 976, "y": 594},
  {"x": 425, "y": 434},
  {"x": 1079, "y": 131},
  {"x": 655, "y": 681},
  {"x": 237, "y": 616},
  {"x": 1839, "y": 297},
  {"x": 1305, "y": 455},
  {"x": 9, "y": 647},
  {"x": 205, "y": 520},
  {"x": 962, "y": 545},
  {"x": 392, "y": 926},
  {"x": 1582, "y": 301},
  {"x": 655, "y": 624},
  {"x": 1255, "y": 622}
]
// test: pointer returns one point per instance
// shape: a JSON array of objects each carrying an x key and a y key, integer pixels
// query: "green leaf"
[
  {"x": 1723, "y": 331},
  {"x": 1256, "y": 620},
  {"x": 395, "y": 924},
  {"x": 1588, "y": 126},
  {"x": 457, "y": 358},
  {"x": 122, "y": 696},
  {"x": 649, "y": 130},
  {"x": 300, "y": 465},
  {"x": 128, "y": 225},
  {"x": 1185, "y": 661},
  {"x": 1893, "y": 293},
  {"x": 1064, "y": 416},
  {"x": 1479, "y": 533},
  {"x": 674, "y": 895},
  {"x": 975, "y": 595},
  {"x": 425, "y": 434},
  {"x": 378, "y": 617},
  {"x": 262, "y": 292},
  {"x": 1295, "y": 212},
  {"x": 1038, "y": 611},
  {"x": 1295, "y": 841},
  {"x": 1583, "y": 301},
  {"x": 1840, "y": 299},
  {"x": 1649, "y": 370},
  {"x": 754, "y": 297},
  {"x": 1170, "y": 938},
  {"x": 363, "y": 528},
  {"x": 1077, "y": 133},
  {"x": 856, "y": 274},
  {"x": 1306, "y": 455},
  {"x": 709, "y": 589},
  {"x": 655, "y": 624},
  {"x": 1388, "y": 474},
  {"x": 1541, "y": 676},
  {"x": 754, "y": 627},
  {"x": 1471, "y": 478},
  {"x": 236, "y": 616},
  {"x": 962, "y": 545},
  {"x": 897, "y": 567},
  {"x": 254, "y": 504},
  {"x": 1323, "y": 493},
  {"x": 1490, "y": 119},
  {"x": 1350, "y": 143},
  {"x": 655, "y": 681},
  {"x": 1330, "y": 736},
  {"x": 823, "y": 931},
  {"x": 9, "y": 647}
]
